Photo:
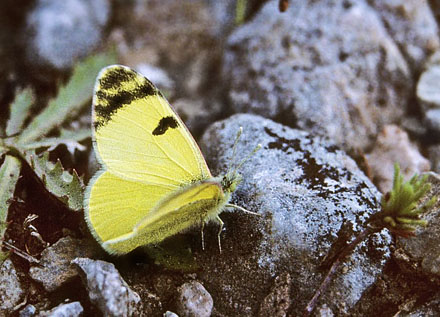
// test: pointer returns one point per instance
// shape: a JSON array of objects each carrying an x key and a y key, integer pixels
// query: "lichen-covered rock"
[
  {"x": 11, "y": 291},
  {"x": 312, "y": 198},
  {"x": 107, "y": 289},
  {"x": 343, "y": 77},
  {"x": 55, "y": 268}
]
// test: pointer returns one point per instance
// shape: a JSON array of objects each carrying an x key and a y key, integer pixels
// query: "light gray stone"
[
  {"x": 428, "y": 87},
  {"x": 73, "y": 309},
  {"x": 107, "y": 289},
  {"x": 61, "y": 32},
  {"x": 11, "y": 291},
  {"x": 194, "y": 300},
  {"x": 55, "y": 268},
  {"x": 28, "y": 311}
]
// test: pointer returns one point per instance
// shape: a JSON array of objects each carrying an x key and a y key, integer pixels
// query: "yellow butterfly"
[{"x": 153, "y": 181}]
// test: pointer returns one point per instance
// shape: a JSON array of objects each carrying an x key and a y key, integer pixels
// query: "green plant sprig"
[{"x": 401, "y": 209}]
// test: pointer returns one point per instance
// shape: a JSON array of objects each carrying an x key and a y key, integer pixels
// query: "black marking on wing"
[
  {"x": 164, "y": 124},
  {"x": 108, "y": 104},
  {"x": 115, "y": 76}
]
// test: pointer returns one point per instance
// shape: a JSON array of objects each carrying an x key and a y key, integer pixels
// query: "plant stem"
[{"x": 338, "y": 261}]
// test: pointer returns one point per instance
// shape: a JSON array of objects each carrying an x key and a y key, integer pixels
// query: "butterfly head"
[
  {"x": 230, "y": 181},
  {"x": 232, "y": 178}
]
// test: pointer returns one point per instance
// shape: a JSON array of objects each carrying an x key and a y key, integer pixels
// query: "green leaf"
[
  {"x": 9, "y": 173},
  {"x": 68, "y": 137},
  {"x": 67, "y": 187},
  {"x": 69, "y": 100},
  {"x": 19, "y": 111}
]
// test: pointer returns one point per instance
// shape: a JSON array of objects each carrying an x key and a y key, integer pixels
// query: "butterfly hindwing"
[
  {"x": 182, "y": 209},
  {"x": 115, "y": 205}
]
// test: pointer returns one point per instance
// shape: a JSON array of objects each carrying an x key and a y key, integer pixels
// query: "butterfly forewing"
[{"x": 137, "y": 134}]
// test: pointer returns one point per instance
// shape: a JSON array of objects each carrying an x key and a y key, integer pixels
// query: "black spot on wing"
[
  {"x": 164, "y": 124},
  {"x": 108, "y": 103}
]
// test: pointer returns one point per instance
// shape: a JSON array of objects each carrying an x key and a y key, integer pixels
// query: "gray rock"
[
  {"x": 421, "y": 252},
  {"x": 64, "y": 310},
  {"x": 28, "y": 311},
  {"x": 11, "y": 291},
  {"x": 412, "y": 25},
  {"x": 343, "y": 77},
  {"x": 194, "y": 300},
  {"x": 393, "y": 145},
  {"x": 170, "y": 314},
  {"x": 428, "y": 86},
  {"x": 55, "y": 268},
  {"x": 107, "y": 290},
  {"x": 305, "y": 189},
  {"x": 432, "y": 116},
  {"x": 64, "y": 31}
]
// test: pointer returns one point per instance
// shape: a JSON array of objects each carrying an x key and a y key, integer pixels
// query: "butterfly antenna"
[
  {"x": 234, "y": 148},
  {"x": 247, "y": 158}
]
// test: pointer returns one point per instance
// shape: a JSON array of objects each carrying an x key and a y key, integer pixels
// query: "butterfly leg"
[
  {"x": 203, "y": 236},
  {"x": 242, "y": 209},
  {"x": 221, "y": 223}
]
